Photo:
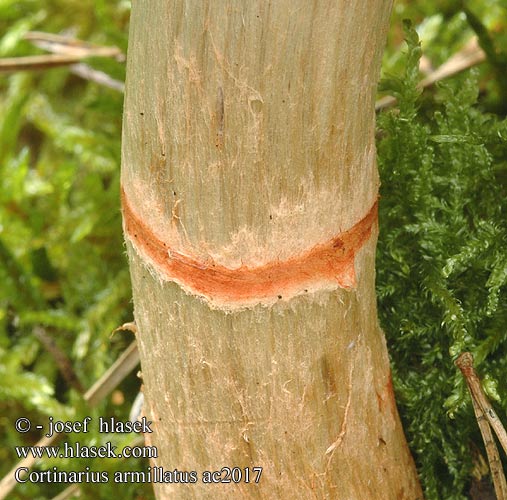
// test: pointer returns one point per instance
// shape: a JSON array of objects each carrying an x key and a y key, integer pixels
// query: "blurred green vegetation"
[
  {"x": 442, "y": 265},
  {"x": 63, "y": 268}
]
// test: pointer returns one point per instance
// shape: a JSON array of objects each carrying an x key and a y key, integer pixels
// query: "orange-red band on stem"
[{"x": 329, "y": 263}]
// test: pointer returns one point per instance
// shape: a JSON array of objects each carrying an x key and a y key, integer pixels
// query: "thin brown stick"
[
  {"x": 9, "y": 64},
  {"x": 71, "y": 491},
  {"x": 87, "y": 73},
  {"x": 64, "y": 52},
  {"x": 116, "y": 373},
  {"x": 495, "y": 463},
  {"x": 465, "y": 363},
  {"x": 61, "y": 359},
  {"x": 486, "y": 417},
  {"x": 58, "y": 44},
  {"x": 467, "y": 57}
]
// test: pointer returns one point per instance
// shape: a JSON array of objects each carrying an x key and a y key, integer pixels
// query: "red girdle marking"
[{"x": 329, "y": 262}]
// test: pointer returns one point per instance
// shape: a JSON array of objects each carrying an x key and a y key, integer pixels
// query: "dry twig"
[
  {"x": 65, "y": 51},
  {"x": 486, "y": 419},
  {"x": 467, "y": 57}
]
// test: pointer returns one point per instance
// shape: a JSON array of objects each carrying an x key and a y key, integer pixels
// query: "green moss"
[{"x": 442, "y": 265}]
